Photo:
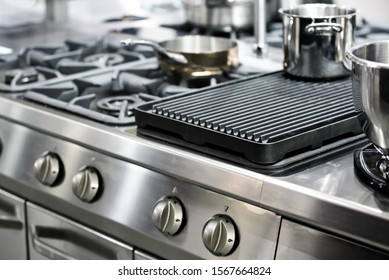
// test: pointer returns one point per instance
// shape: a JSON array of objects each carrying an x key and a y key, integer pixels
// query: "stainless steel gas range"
[{"x": 80, "y": 179}]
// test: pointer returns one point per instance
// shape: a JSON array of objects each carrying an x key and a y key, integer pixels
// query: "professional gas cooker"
[
  {"x": 69, "y": 145},
  {"x": 103, "y": 81}
]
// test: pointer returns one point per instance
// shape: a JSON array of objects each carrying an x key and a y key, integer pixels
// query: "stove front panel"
[{"x": 126, "y": 199}]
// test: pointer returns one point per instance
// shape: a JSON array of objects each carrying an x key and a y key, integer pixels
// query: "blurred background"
[
  {"x": 13, "y": 12},
  {"x": 22, "y": 20}
]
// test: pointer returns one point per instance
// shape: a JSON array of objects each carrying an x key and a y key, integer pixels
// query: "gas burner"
[
  {"x": 199, "y": 82},
  {"x": 105, "y": 59},
  {"x": 125, "y": 104},
  {"x": 21, "y": 76},
  {"x": 372, "y": 167}
]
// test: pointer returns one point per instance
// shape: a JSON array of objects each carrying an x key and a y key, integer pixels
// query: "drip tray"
[{"x": 263, "y": 119}]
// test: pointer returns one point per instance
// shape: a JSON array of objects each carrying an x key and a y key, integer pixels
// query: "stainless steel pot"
[
  {"x": 316, "y": 38},
  {"x": 234, "y": 14},
  {"x": 370, "y": 68},
  {"x": 194, "y": 55},
  {"x": 276, "y": 5},
  {"x": 220, "y": 14}
]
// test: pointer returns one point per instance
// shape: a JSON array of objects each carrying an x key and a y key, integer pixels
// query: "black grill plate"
[{"x": 264, "y": 118}]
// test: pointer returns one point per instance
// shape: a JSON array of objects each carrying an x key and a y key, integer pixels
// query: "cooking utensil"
[
  {"x": 316, "y": 38},
  {"x": 193, "y": 55},
  {"x": 370, "y": 68},
  {"x": 220, "y": 14}
]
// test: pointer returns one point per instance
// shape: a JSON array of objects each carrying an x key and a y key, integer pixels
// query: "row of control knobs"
[
  {"x": 49, "y": 170},
  {"x": 219, "y": 233}
]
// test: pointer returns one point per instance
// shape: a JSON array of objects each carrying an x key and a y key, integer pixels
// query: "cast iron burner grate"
[{"x": 264, "y": 118}]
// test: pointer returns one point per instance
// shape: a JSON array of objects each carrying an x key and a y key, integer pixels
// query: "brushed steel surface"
[
  {"x": 126, "y": 145},
  {"x": 140, "y": 255},
  {"x": 13, "y": 244},
  {"x": 300, "y": 242},
  {"x": 330, "y": 196},
  {"x": 131, "y": 191},
  {"x": 327, "y": 196},
  {"x": 54, "y": 237}
]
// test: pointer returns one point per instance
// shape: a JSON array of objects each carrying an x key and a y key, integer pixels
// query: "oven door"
[
  {"x": 301, "y": 242},
  {"x": 52, "y": 236},
  {"x": 13, "y": 244}
]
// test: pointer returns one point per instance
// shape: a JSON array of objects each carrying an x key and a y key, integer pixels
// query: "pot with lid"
[{"x": 316, "y": 38}]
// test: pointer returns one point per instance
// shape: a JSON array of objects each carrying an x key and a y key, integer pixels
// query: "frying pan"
[{"x": 194, "y": 55}]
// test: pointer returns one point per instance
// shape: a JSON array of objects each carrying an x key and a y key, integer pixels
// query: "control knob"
[
  {"x": 48, "y": 168},
  {"x": 86, "y": 184},
  {"x": 168, "y": 215},
  {"x": 219, "y": 235}
]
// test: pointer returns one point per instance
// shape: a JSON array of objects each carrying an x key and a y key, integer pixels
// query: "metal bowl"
[{"x": 370, "y": 67}]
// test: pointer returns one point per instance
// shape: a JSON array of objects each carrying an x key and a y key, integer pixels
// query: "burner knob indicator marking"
[
  {"x": 48, "y": 168},
  {"x": 86, "y": 184},
  {"x": 219, "y": 235},
  {"x": 168, "y": 215}
]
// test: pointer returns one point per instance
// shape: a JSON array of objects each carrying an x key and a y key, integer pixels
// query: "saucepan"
[
  {"x": 316, "y": 38},
  {"x": 194, "y": 55},
  {"x": 370, "y": 68},
  {"x": 234, "y": 14},
  {"x": 219, "y": 14}
]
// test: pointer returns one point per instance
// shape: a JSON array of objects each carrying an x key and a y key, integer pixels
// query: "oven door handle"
[
  {"x": 48, "y": 250},
  {"x": 11, "y": 222}
]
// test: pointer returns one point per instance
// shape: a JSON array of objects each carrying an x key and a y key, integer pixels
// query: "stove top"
[
  {"x": 96, "y": 78},
  {"x": 101, "y": 80}
]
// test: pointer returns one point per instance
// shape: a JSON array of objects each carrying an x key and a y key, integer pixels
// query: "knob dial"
[
  {"x": 48, "y": 168},
  {"x": 86, "y": 184},
  {"x": 168, "y": 215},
  {"x": 219, "y": 235}
]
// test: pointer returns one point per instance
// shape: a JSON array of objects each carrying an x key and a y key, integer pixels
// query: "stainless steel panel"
[
  {"x": 124, "y": 208},
  {"x": 13, "y": 244},
  {"x": 300, "y": 242},
  {"x": 329, "y": 196},
  {"x": 124, "y": 144},
  {"x": 140, "y": 255},
  {"x": 54, "y": 237}
]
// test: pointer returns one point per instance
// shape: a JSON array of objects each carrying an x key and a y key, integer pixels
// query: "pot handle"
[
  {"x": 176, "y": 57},
  {"x": 323, "y": 28}
]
